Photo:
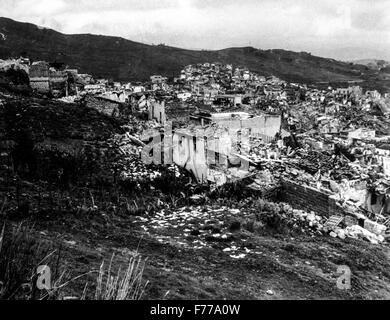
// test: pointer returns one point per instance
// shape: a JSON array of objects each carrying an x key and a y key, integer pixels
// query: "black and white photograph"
[{"x": 212, "y": 151}]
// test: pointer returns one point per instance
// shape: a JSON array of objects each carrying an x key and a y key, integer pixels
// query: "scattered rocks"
[
  {"x": 357, "y": 232},
  {"x": 70, "y": 242},
  {"x": 333, "y": 234},
  {"x": 197, "y": 226}
]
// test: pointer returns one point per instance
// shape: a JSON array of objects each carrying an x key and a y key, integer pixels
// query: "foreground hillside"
[
  {"x": 198, "y": 243},
  {"x": 121, "y": 59}
]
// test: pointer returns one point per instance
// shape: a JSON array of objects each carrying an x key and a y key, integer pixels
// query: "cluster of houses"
[{"x": 215, "y": 83}]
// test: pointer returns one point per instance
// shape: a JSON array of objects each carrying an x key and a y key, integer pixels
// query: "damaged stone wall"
[
  {"x": 44, "y": 79},
  {"x": 308, "y": 199},
  {"x": 39, "y": 77},
  {"x": 263, "y": 126},
  {"x": 58, "y": 81},
  {"x": 102, "y": 105}
]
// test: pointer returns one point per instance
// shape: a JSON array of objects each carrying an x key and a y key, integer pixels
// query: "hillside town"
[
  {"x": 325, "y": 151},
  {"x": 320, "y": 156}
]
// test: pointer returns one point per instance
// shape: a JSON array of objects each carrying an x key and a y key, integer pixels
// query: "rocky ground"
[{"x": 181, "y": 264}]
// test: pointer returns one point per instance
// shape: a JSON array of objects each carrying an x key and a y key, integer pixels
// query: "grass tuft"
[{"x": 123, "y": 284}]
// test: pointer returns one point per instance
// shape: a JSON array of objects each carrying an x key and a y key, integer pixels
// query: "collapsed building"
[
  {"x": 45, "y": 79},
  {"x": 103, "y": 105},
  {"x": 215, "y": 150}
]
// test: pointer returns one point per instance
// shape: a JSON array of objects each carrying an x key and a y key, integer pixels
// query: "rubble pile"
[
  {"x": 312, "y": 161},
  {"x": 131, "y": 167},
  {"x": 358, "y": 232},
  {"x": 308, "y": 223}
]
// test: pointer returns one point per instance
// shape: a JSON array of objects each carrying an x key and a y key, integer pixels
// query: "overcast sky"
[{"x": 341, "y": 29}]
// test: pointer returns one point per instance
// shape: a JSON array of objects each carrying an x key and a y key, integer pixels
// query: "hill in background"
[
  {"x": 373, "y": 63},
  {"x": 124, "y": 60}
]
